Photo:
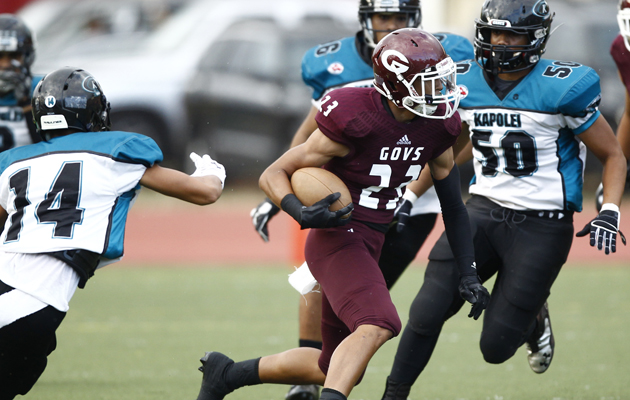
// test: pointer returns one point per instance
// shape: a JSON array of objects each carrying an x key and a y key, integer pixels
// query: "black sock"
[
  {"x": 311, "y": 343},
  {"x": 243, "y": 373},
  {"x": 331, "y": 394}
]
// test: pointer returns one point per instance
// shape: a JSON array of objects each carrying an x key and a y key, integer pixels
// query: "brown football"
[{"x": 311, "y": 184}]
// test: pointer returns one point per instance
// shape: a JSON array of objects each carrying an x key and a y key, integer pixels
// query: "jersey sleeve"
[
  {"x": 139, "y": 149},
  {"x": 581, "y": 102},
  {"x": 457, "y": 47},
  {"x": 452, "y": 130},
  {"x": 332, "y": 118},
  {"x": 343, "y": 114},
  {"x": 310, "y": 76}
]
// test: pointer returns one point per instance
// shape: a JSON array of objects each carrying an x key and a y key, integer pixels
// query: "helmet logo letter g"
[{"x": 396, "y": 65}]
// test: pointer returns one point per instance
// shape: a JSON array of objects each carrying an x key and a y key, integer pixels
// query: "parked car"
[
  {"x": 113, "y": 40},
  {"x": 144, "y": 71},
  {"x": 247, "y": 97}
]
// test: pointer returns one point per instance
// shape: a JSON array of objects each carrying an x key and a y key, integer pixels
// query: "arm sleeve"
[{"x": 456, "y": 222}]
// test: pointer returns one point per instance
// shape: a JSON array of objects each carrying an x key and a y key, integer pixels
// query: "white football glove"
[{"x": 207, "y": 166}]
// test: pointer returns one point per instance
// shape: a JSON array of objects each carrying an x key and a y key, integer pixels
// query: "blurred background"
[{"x": 223, "y": 77}]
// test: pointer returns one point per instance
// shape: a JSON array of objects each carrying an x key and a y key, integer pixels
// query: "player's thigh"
[
  {"x": 532, "y": 261},
  {"x": 344, "y": 262}
]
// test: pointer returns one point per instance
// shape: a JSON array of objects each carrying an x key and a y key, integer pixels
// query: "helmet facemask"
[
  {"x": 424, "y": 92},
  {"x": 367, "y": 8},
  {"x": 498, "y": 59}
]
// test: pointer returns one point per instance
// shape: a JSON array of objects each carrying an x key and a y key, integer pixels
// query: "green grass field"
[{"x": 138, "y": 333}]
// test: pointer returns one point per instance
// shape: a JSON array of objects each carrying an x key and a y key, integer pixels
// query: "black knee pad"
[
  {"x": 505, "y": 328},
  {"x": 437, "y": 300}
]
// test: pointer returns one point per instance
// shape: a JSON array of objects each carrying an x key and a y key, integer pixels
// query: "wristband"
[
  {"x": 610, "y": 207},
  {"x": 292, "y": 206},
  {"x": 410, "y": 195}
]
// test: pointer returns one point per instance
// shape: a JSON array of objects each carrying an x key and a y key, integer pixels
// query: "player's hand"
[
  {"x": 603, "y": 229},
  {"x": 401, "y": 214},
  {"x": 261, "y": 216},
  {"x": 471, "y": 290},
  {"x": 207, "y": 166},
  {"x": 319, "y": 216}
]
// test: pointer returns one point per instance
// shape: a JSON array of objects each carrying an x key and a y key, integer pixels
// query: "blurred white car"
[{"x": 144, "y": 72}]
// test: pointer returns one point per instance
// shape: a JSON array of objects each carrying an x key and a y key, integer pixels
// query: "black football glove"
[
  {"x": 401, "y": 214},
  {"x": 318, "y": 215},
  {"x": 603, "y": 230},
  {"x": 261, "y": 216},
  {"x": 471, "y": 290}
]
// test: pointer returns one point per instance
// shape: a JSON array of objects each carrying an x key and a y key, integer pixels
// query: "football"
[{"x": 311, "y": 184}]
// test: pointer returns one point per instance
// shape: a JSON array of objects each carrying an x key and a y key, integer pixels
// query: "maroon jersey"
[
  {"x": 385, "y": 155},
  {"x": 621, "y": 55}
]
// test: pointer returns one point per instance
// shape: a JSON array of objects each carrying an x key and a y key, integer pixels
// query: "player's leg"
[
  {"x": 355, "y": 296},
  {"x": 533, "y": 251},
  {"x": 400, "y": 248},
  {"x": 25, "y": 341},
  {"x": 221, "y": 375},
  {"x": 437, "y": 300},
  {"x": 310, "y": 315}
]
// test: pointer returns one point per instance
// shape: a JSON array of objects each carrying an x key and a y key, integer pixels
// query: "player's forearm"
[
  {"x": 456, "y": 222},
  {"x": 275, "y": 183},
  {"x": 614, "y": 178},
  {"x": 422, "y": 184}
]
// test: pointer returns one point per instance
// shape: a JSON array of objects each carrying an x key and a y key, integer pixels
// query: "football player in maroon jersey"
[
  {"x": 376, "y": 140},
  {"x": 620, "y": 52}
]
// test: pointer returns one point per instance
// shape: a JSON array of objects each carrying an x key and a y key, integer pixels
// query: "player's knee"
[
  {"x": 436, "y": 302},
  {"x": 497, "y": 347}
]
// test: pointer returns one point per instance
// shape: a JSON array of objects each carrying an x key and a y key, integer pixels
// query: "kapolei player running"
[
  {"x": 358, "y": 139},
  {"x": 64, "y": 204},
  {"x": 530, "y": 121},
  {"x": 347, "y": 62}
]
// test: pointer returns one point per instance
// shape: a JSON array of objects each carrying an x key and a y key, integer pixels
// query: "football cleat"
[
  {"x": 303, "y": 392},
  {"x": 396, "y": 391},
  {"x": 214, "y": 367},
  {"x": 540, "y": 344}
]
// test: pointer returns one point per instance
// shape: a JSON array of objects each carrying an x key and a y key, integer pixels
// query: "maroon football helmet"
[
  {"x": 623, "y": 18},
  {"x": 412, "y": 69}
]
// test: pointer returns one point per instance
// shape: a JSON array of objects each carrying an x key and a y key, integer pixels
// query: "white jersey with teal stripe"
[
  {"x": 73, "y": 192},
  {"x": 527, "y": 155},
  {"x": 339, "y": 64}
]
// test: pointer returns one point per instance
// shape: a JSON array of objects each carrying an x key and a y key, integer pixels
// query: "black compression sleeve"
[
  {"x": 456, "y": 221},
  {"x": 292, "y": 206}
]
